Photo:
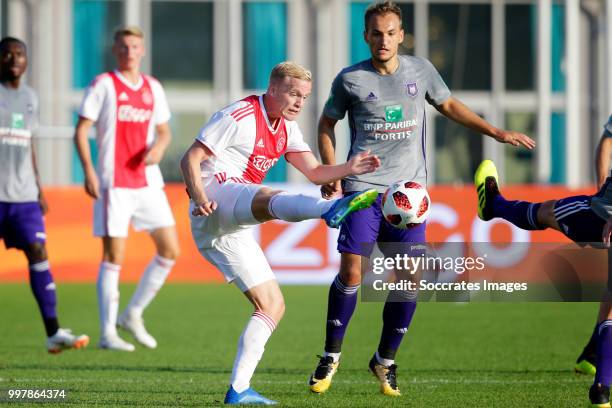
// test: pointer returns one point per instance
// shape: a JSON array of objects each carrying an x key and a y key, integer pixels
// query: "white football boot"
[
  {"x": 135, "y": 325},
  {"x": 63, "y": 339},
  {"x": 114, "y": 342}
]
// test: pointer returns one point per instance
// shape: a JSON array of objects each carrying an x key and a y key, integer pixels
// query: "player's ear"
[{"x": 272, "y": 87}]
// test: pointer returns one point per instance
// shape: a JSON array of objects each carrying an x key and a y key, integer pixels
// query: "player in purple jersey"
[
  {"x": 586, "y": 220},
  {"x": 385, "y": 97},
  {"x": 22, "y": 203},
  {"x": 585, "y": 363}
]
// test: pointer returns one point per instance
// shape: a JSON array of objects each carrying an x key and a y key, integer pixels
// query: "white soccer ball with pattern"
[{"x": 406, "y": 204}]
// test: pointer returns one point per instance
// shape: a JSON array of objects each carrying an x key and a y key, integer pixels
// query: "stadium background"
[{"x": 540, "y": 67}]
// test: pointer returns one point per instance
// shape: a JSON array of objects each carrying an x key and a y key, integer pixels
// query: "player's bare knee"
[
  {"x": 170, "y": 252},
  {"x": 36, "y": 252},
  {"x": 274, "y": 308},
  {"x": 350, "y": 269},
  {"x": 113, "y": 255},
  {"x": 261, "y": 203}
]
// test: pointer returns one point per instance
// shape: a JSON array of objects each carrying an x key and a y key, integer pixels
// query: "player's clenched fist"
[
  {"x": 205, "y": 208},
  {"x": 331, "y": 190}
]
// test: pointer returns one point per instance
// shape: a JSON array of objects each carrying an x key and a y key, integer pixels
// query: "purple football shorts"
[
  {"x": 361, "y": 230},
  {"x": 577, "y": 220},
  {"x": 21, "y": 224}
]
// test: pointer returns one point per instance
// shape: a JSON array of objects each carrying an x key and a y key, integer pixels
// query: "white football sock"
[
  {"x": 298, "y": 207},
  {"x": 108, "y": 297},
  {"x": 335, "y": 356},
  {"x": 251, "y": 347},
  {"x": 152, "y": 279},
  {"x": 384, "y": 361}
]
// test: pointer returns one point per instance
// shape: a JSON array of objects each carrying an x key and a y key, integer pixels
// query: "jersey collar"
[
  {"x": 265, "y": 115},
  {"x": 133, "y": 87}
]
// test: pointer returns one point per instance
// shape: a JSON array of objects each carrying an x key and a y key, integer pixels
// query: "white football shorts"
[
  {"x": 146, "y": 208},
  {"x": 229, "y": 246}
]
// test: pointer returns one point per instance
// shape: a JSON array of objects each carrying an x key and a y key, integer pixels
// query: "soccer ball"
[{"x": 405, "y": 204}]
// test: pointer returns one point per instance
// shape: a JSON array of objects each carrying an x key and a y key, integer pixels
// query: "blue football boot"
[{"x": 246, "y": 397}]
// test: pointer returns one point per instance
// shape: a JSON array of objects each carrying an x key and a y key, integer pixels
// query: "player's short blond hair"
[
  {"x": 127, "y": 30},
  {"x": 290, "y": 69}
]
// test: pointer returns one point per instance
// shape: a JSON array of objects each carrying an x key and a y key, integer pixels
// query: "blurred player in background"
[
  {"x": 385, "y": 98},
  {"x": 128, "y": 109},
  {"x": 580, "y": 218},
  {"x": 22, "y": 203},
  {"x": 586, "y": 361},
  {"x": 223, "y": 171}
]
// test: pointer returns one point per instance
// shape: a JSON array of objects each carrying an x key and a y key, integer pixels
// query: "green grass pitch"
[{"x": 454, "y": 355}]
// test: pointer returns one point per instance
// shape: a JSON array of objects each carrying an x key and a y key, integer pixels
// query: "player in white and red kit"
[
  {"x": 131, "y": 116},
  {"x": 223, "y": 171}
]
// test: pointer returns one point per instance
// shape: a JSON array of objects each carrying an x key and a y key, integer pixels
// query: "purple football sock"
[
  {"x": 604, "y": 354},
  {"x": 340, "y": 307},
  {"x": 397, "y": 315},
  {"x": 43, "y": 289},
  {"x": 523, "y": 214},
  {"x": 591, "y": 347}
]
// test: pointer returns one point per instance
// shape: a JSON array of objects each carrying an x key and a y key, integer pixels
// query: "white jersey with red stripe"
[
  {"x": 244, "y": 143},
  {"x": 126, "y": 115}
]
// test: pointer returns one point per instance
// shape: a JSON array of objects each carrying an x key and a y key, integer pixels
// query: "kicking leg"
[
  {"x": 523, "y": 214},
  {"x": 268, "y": 204}
]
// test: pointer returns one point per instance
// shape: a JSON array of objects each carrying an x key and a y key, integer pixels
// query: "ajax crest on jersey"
[{"x": 406, "y": 204}]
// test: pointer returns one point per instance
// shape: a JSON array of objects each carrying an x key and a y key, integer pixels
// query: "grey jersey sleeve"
[
  {"x": 338, "y": 102},
  {"x": 608, "y": 127},
  {"x": 437, "y": 91},
  {"x": 35, "y": 114}
]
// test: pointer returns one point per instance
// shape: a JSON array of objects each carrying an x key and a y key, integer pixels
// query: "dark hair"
[
  {"x": 382, "y": 7},
  {"x": 8, "y": 40}
]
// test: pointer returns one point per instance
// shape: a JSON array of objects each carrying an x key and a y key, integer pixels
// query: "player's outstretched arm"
[
  {"x": 318, "y": 173},
  {"x": 327, "y": 151},
  {"x": 602, "y": 160},
  {"x": 190, "y": 169},
  {"x": 81, "y": 135},
  {"x": 454, "y": 109},
  {"x": 162, "y": 141}
]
